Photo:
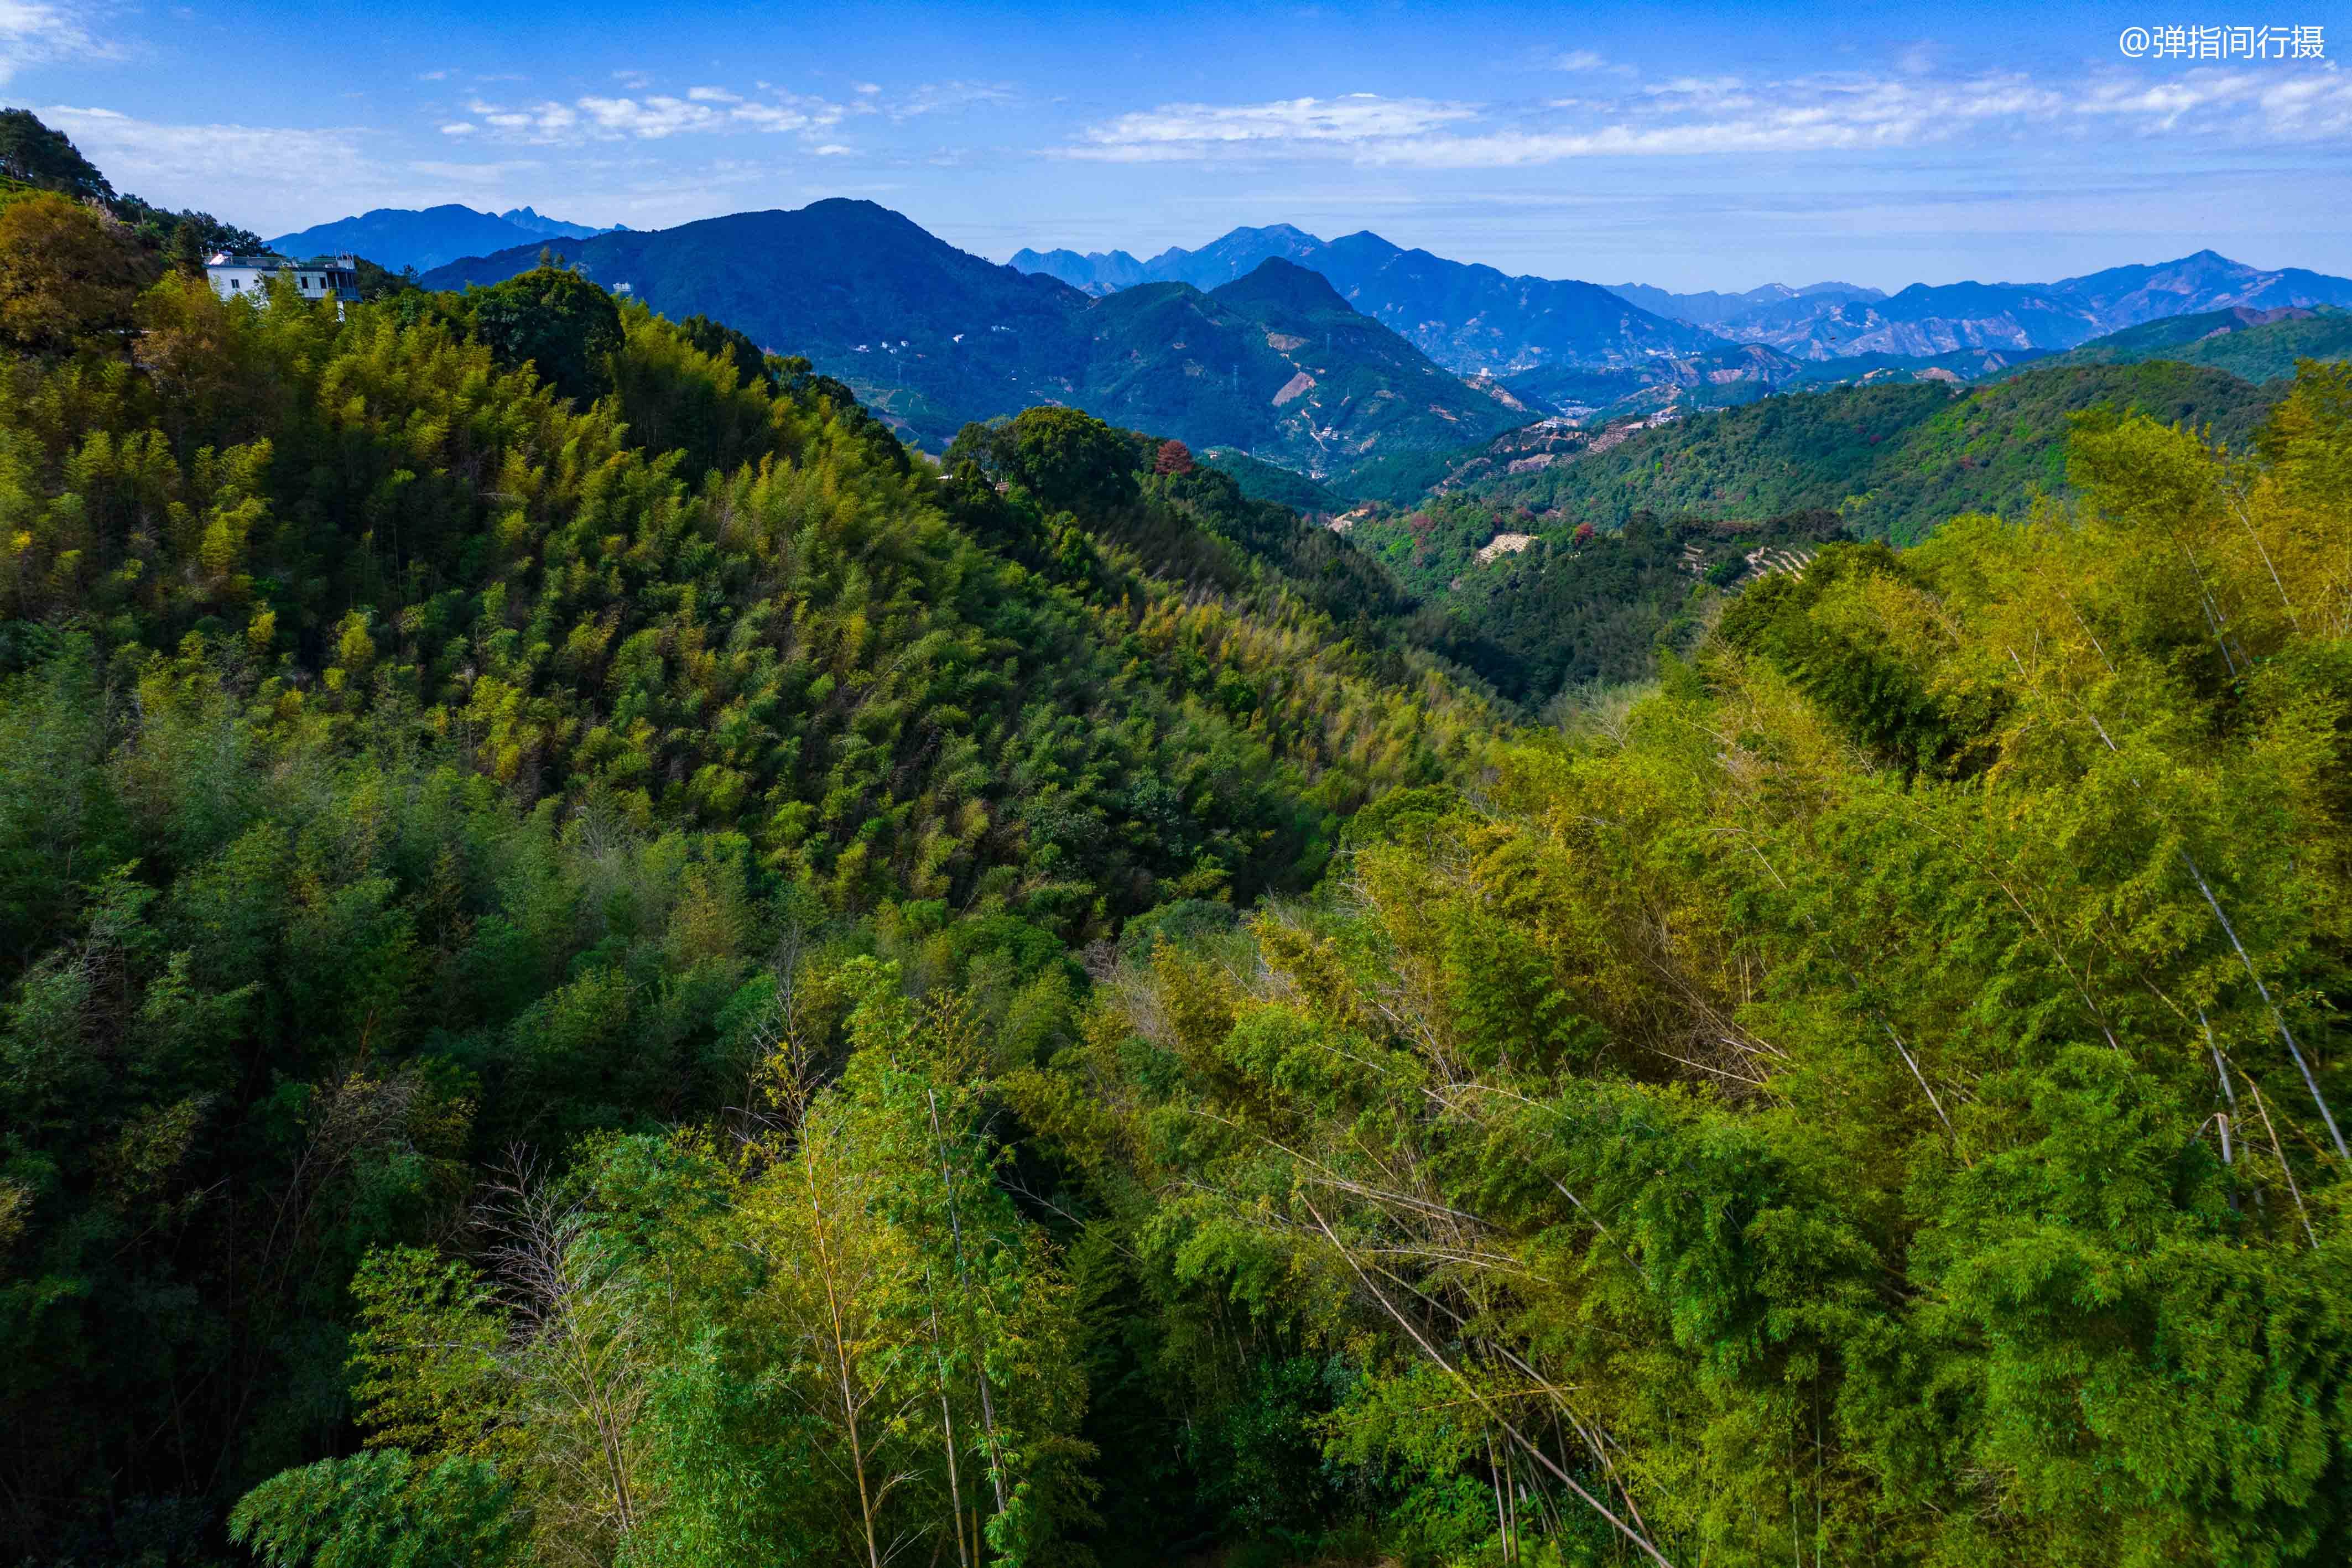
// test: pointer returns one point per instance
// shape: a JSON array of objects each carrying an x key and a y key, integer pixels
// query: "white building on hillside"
[{"x": 324, "y": 278}]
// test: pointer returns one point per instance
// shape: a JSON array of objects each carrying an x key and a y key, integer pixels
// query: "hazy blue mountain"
[
  {"x": 1095, "y": 271},
  {"x": 1475, "y": 318},
  {"x": 400, "y": 237},
  {"x": 1925, "y": 319},
  {"x": 526, "y": 219},
  {"x": 1235, "y": 254},
  {"x": 1274, "y": 363},
  {"x": 2126, "y": 295},
  {"x": 1707, "y": 307}
]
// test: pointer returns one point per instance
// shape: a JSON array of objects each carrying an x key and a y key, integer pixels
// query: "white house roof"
[{"x": 266, "y": 261}]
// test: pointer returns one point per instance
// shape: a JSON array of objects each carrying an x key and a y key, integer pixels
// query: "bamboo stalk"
[
  {"x": 947, "y": 1422},
  {"x": 2309, "y": 1082},
  {"x": 980, "y": 1361},
  {"x": 1434, "y": 1354},
  {"x": 2284, "y": 1169}
]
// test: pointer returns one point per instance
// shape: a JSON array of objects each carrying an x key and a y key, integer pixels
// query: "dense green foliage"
[
  {"x": 1569, "y": 613},
  {"x": 1534, "y": 613},
  {"x": 1871, "y": 1099},
  {"x": 603, "y": 967},
  {"x": 1263, "y": 481},
  {"x": 1887, "y": 459}
]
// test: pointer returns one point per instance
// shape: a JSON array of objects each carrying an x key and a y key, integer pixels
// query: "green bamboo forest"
[{"x": 605, "y": 965}]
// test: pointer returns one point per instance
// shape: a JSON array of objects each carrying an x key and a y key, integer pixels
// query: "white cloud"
[
  {"x": 950, "y": 98},
  {"x": 2160, "y": 104},
  {"x": 1724, "y": 117},
  {"x": 1727, "y": 116},
  {"x": 459, "y": 128},
  {"x": 651, "y": 119},
  {"x": 247, "y": 174},
  {"x": 2315, "y": 105},
  {"x": 2287, "y": 106},
  {"x": 138, "y": 154},
  {"x": 496, "y": 176},
  {"x": 34, "y": 32},
  {"x": 1194, "y": 130},
  {"x": 242, "y": 173},
  {"x": 866, "y": 89},
  {"x": 655, "y": 117},
  {"x": 772, "y": 117},
  {"x": 546, "y": 122}
]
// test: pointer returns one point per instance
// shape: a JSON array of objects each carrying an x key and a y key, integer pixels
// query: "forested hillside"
[
  {"x": 1894, "y": 460},
  {"x": 604, "y": 966},
  {"x": 2253, "y": 345}
]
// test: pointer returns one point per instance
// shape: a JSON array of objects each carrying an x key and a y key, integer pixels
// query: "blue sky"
[{"x": 1691, "y": 146}]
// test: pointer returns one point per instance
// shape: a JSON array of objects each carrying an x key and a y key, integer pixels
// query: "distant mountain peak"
[
  {"x": 1095, "y": 272},
  {"x": 858, "y": 207}
]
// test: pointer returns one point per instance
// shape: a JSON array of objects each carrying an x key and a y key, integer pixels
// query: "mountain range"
[
  {"x": 1337, "y": 357},
  {"x": 1221, "y": 261},
  {"x": 1707, "y": 307},
  {"x": 1939, "y": 318},
  {"x": 1474, "y": 319},
  {"x": 1271, "y": 361},
  {"x": 2255, "y": 345},
  {"x": 395, "y": 238}
]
